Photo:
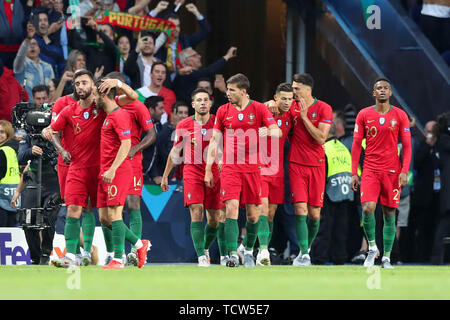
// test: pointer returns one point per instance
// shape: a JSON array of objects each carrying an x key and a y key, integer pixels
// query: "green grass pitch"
[{"x": 180, "y": 282}]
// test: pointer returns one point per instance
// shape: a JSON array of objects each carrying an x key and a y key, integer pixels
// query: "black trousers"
[
  {"x": 39, "y": 246},
  {"x": 442, "y": 230},
  {"x": 331, "y": 240},
  {"x": 437, "y": 31},
  {"x": 8, "y": 218}
]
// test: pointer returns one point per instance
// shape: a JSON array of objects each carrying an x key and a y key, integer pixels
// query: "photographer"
[
  {"x": 443, "y": 225},
  {"x": 33, "y": 147}
]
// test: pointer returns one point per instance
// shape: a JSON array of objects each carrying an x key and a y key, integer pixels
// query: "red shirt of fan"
[
  {"x": 272, "y": 159},
  {"x": 140, "y": 121},
  {"x": 194, "y": 138},
  {"x": 67, "y": 133},
  {"x": 305, "y": 150},
  {"x": 241, "y": 134},
  {"x": 85, "y": 125},
  {"x": 116, "y": 127},
  {"x": 382, "y": 132}
]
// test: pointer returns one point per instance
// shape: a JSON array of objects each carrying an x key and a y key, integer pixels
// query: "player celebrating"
[
  {"x": 241, "y": 120},
  {"x": 192, "y": 138},
  {"x": 141, "y": 122},
  {"x": 272, "y": 174},
  {"x": 383, "y": 175},
  {"x": 311, "y": 123},
  {"x": 116, "y": 172}
]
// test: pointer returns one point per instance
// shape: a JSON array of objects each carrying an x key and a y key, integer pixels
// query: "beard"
[{"x": 84, "y": 94}]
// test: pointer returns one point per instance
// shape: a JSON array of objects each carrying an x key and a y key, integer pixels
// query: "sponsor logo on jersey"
[
  {"x": 241, "y": 116},
  {"x": 382, "y": 120},
  {"x": 149, "y": 121},
  {"x": 86, "y": 115},
  {"x": 126, "y": 132},
  {"x": 370, "y": 121}
]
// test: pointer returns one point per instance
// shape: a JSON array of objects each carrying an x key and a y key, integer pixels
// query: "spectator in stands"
[
  {"x": 138, "y": 7},
  {"x": 96, "y": 8},
  {"x": 435, "y": 23},
  {"x": 13, "y": 15},
  {"x": 169, "y": 52},
  {"x": 51, "y": 51},
  {"x": 218, "y": 94},
  {"x": 165, "y": 138},
  {"x": 9, "y": 173},
  {"x": 158, "y": 75},
  {"x": 52, "y": 85},
  {"x": 41, "y": 95},
  {"x": 184, "y": 84},
  {"x": 124, "y": 45},
  {"x": 55, "y": 19},
  {"x": 152, "y": 169},
  {"x": 75, "y": 61},
  {"x": 101, "y": 56},
  {"x": 28, "y": 66},
  {"x": 143, "y": 57},
  {"x": 11, "y": 92},
  {"x": 58, "y": 6}
]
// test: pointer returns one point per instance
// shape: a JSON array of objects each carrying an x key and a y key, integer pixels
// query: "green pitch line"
[{"x": 216, "y": 282}]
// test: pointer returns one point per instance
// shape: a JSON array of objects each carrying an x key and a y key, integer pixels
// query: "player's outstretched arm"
[{"x": 56, "y": 141}]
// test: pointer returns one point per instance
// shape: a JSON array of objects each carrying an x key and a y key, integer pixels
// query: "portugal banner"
[{"x": 137, "y": 23}]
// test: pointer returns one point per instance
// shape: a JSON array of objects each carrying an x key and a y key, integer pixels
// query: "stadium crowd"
[{"x": 41, "y": 49}]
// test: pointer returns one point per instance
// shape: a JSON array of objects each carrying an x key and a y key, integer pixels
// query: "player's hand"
[
  {"x": 303, "y": 108},
  {"x": 354, "y": 182},
  {"x": 108, "y": 175},
  {"x": 263, "y": 132},
  {"x": 107, "y": 85},
  {"x": 209, "y": 179},
  {"x": 164, "y": 184},
  {"x": 48, "y": 133},
  {"x": 66, "y": 156},
  {"x": 37, "y": 151},
  {"x": 271, "y": 104},
  {"x": 157, "y": 179},
  {"x": 132, "y": 152},
  {"x": 402, "y": 179}
]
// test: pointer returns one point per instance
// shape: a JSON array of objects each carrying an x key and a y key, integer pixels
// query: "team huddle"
[{"x": 231, "y": 160}]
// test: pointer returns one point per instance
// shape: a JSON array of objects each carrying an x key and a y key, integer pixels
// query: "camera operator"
[
  {"x": 33, "y": 147},
  {"x": 443, "y": 150}
]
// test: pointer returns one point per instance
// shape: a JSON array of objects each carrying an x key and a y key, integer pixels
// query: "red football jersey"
[
  {"x": 85, "y": 125},
  {"x": 67, "y": 133},
  {"x": 116, "y": 127},
  {"x": 274, "y": 166},
  {"x": 240, "y": 128},
  {"x": 140, "y": 121},
  {"x": 382, "y": 132},
  {"x": 194, "y": 139},
  {"x": 305, "y": 150}
]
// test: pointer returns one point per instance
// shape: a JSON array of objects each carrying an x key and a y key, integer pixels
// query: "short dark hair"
[
  {"x": 382, "y": 79},
  {"x": 152, "y": 102},
  {"x": 173, "y": 16},
  {"x": 80, "y": 73},
  {"x": 178, "y": 104},
  {"x": 147, "y": 33},
  {"x": 156, "y": 64},
  {"x": 304, "y": 78},
  {"x": 198, "y": 90},
  {"x": 112, "y": 92},
  {"x": 240, "y": 80},
  {"x": 204, "y": 79},
  {"x": 339, "y": 114},
  {"x": 115, "y": 75},
  {"x": 284, "y": 86},
  {"x": 40, "y": 88}
]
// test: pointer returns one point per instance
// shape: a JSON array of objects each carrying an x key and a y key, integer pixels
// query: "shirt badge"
[
  {"x": 382, "y": 120},
  {"x": 393, "y": 123},
  {"x": 241, "y": 116},
  {"x": 279, "y": 123},
  {"x": 251, "y": 116},
  {"x": 203, "y": 131},
  {"x": 86, "y": 115}
]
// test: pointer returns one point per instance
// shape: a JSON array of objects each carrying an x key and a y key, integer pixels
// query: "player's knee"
[
  {"x": 104, "y": 221},
  {"x": 196, "y": 212},
  {"x": 74, "y": 212},
  {"x": 368, "y": 208}
]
